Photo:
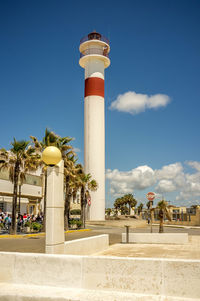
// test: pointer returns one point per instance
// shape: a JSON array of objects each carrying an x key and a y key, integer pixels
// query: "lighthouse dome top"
[
  {"x": 94, "y": 45},
  {"x": 94, "y": 36}
]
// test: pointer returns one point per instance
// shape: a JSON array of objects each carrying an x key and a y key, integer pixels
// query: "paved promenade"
[
  {"x": 36, "y": 243},
  {"x": 188, "y": 251},
  {"x": 144, "y": 271}
]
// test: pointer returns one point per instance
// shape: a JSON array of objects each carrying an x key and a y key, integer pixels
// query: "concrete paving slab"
[{"x": 187, "y": 251}]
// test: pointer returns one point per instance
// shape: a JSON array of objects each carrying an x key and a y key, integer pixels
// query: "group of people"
[
  {"x": 23, "y": 219},
  {"x": 6, "y": 219}
]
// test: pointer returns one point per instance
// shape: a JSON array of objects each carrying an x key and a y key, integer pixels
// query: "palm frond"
[
  {"x": 19, "y": 146},
  {"x": 37, "y": 144}
]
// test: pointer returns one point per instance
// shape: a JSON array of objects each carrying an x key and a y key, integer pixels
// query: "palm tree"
[
  {"x": 86, "y": 184},
  {"x": 108, "y": 211},
  {"x": 120, "y": 204},
  {"x": 22, "y": 178},
  {"x": 18, "y": 161},
  {"x": 140, "y": 207},
  {"x": 148, "y": 204},
  {"x": 91, "y": 185},
  {"x": 71, "y": 184},
  {"x": 51, "y": 139},
  {"x": 162, "y": 206},
  {"x": 129, "y": 199}
]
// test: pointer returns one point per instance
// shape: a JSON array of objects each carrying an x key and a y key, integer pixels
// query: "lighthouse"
[{"x": 94, "y": 58}]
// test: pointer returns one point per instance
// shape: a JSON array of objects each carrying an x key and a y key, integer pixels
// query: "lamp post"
[
  {"x": 151, "y": 196},
  {"x": 151, "y": 215},
  {"x": 54, "y": 243}
]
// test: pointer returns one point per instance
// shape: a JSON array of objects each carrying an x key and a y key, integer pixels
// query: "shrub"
[
  {"x": 1, "y": 226},
  {"x": 72, "y": 222},
  {"x": 36, "y": 226},
  {"x": 75, "y": 212},
  {"x": 79, "y": 223},
  {"x": 75, "y": 222},
  {"x": 27, "y": 224}
]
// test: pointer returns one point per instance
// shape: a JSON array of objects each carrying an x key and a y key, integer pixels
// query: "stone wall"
[
  {"x": 87, "y": 246},
  {"x": 142, "y": 276}
]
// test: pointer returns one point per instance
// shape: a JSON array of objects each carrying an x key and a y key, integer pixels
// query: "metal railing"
[
  {"x": 94, "y": 51},
  {"x": 100, "y": 38}
]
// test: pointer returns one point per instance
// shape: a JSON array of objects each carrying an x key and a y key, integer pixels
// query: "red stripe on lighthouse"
[{"x": 94, "y": 86}]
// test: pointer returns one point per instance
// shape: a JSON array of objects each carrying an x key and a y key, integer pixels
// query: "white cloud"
[
  {"x": 170, "y": 178},
  {"x": 191, "y": 187},
  {"x": 76, "y": 150},
  {"x": 194, "y": 164},
  {"x": 127, "y": 181},
  {"x": 134, "y": 103},
  {"x": 191, "y": 190},
  {"x": 165, "y": 186},
  {"x": 169, "y": 171}
]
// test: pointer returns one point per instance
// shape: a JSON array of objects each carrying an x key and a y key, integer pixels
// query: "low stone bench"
[{"x": 156, "y": 238}]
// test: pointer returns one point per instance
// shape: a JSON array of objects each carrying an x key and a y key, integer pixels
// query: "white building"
[{"x": 31, "y": 193}]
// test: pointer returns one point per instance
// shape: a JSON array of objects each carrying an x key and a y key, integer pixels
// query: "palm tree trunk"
[
  {"x": 14, "y": 203},
  {"x": 129, "y": 208},
  {"x": 84, "y": 213},
  {"x": 161, "y": 228},
  {"x": 161, "y": 217},
  {"x": 67, "y": 206},
  {"x": 82, "y": 205},
  {"x": 66, "y": 213},
  {"x": 45, "y": 200},
  {"x": 20, "y": 192},
  {"x": 67, "y": 210}
]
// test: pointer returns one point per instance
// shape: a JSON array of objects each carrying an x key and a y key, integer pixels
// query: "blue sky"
[{"x": 155, "y": 51}]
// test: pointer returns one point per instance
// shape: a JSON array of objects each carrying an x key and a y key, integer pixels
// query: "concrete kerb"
[
  {"x": 179, "y": 226},
  {"x": 38, "y": 234}
]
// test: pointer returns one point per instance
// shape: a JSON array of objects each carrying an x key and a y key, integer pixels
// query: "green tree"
[
  {"x": 20, "y": 159},
  {"x": 129, "y": 199},
  {"x": 86, "y": 184},
  {"x": 52, "y": 139},
  {"x": 148, "y": 204},
  {"x": 162, "y": 206},
  {"x": 71, "y": 184},
  {"x": 140, "y": 207},
  {"x": 120, "y": 205},
  {"x": 108, "y": 211}
]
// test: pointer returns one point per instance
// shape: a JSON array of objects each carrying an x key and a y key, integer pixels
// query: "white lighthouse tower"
[{"x": 94, "y": 59}]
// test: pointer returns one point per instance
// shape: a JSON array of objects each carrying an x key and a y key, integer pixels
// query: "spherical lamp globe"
[{"x": 51, "y": 155}]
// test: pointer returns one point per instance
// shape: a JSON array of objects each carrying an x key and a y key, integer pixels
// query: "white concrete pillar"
[{"x": 55, "y": 236}]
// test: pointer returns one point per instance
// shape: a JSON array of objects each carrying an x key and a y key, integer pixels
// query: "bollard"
[{"x": 127, "y": 233}]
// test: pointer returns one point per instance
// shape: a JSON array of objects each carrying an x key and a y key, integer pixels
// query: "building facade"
[{"x": 30, "y": 194}]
